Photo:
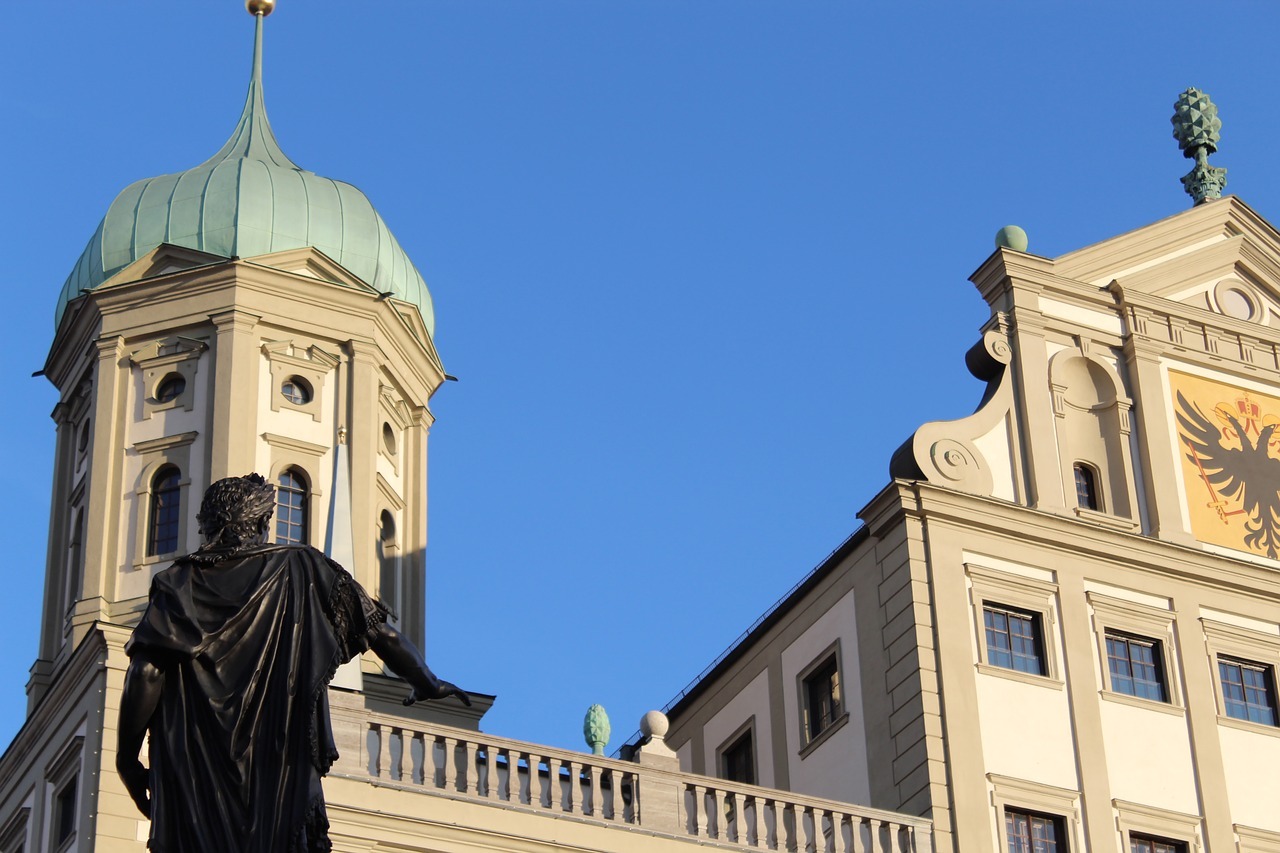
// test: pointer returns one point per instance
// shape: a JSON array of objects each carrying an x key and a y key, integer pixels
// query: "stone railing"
[{"x": 468, "y": 765}]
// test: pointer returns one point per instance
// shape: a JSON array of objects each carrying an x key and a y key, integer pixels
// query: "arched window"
[
  {"x": 291, "y": 508},
  {"x": 166, "y": 499},
  {"x": 1086, "y": 486}
]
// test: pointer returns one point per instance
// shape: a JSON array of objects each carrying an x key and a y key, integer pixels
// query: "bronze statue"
[{"x": 228, "y": 672}]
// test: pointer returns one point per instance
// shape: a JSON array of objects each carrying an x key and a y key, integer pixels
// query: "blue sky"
[{"x": 700, "y": 266}]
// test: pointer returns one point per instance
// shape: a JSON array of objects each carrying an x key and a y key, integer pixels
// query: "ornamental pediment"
[{"x": 1219, "y": 257}]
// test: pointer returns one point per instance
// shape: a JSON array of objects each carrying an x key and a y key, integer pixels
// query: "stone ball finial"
[
  {"x": 260, "y": 7},
  {"x": 595, "y": 729},
  {"x": 1011, "y": 237},
  {"x": 1196, "y": 124},
  {"x": 655, "y": 725}
]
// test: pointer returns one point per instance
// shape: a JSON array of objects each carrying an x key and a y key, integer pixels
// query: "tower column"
[
  {"x": 101, "y": 552},
  {"x": 363, "y": 435},
  {"x": 235, "y": 388}
]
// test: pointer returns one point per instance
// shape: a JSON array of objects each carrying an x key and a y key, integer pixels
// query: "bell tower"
[{"x": 246, "y": 314}]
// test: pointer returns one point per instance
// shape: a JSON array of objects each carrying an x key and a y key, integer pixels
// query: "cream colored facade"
[{"x": 1084, "y": 357}]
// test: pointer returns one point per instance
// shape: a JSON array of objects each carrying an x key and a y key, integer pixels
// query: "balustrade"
[{"x": 468, "y": 765}]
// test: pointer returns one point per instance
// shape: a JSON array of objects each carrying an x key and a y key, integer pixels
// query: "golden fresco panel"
[{"x": 1229, "y": 448}]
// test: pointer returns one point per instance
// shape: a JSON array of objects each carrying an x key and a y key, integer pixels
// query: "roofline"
[{"x": 766, "y": 621}]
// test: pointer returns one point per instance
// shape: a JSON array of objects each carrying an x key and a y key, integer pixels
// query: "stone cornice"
[{"x": 1073, "y": 538}]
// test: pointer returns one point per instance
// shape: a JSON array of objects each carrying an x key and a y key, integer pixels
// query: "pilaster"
[
  {"x": 1035, "y": 406},
  {"x": 1090, "y": 747},
  {"x": 364, "y": 428},
  {"x": 1158, "y": 460},
  {"x": 101, "y": 547},
  {"x": 233, "y": 414}
]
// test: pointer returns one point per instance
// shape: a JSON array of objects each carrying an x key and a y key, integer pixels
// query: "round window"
[
  {"x": 389, "y": 439},
  {"x": 170, "y": 388},
  {"x": 296, "y": 391}
]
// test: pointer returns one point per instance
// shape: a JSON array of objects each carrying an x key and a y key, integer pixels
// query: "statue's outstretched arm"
[
  {"x": 143, "y": 685},
  {"x": 404, "y": 659}
]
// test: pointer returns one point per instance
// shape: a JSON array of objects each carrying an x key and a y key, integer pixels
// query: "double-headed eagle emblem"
[{"x": 1236, "y": 465}]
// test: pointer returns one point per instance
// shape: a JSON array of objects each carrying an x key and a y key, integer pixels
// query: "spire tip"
[{"x": 260, "y": 7}]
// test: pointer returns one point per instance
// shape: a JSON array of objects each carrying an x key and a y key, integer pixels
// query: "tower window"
[
  {"x": 296, "y": 390},
  {"x": 170, "y": 388},
  {"x": 389, "y": 583},
  {"x": 166, "y": 499},
  {"x": 1086, "y": 486},
  {"x": 388, "y": 439},
  {"x": 291, "y": 508}
]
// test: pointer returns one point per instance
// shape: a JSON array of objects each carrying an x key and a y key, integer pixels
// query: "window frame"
[
  {"x": 304, "y": 492},
  {"x": 159, "y": 488},
  {"x": 1268, "y": 674},
  {"x": 66, "y": 768},
  {"x": 1143, "y": 622},
  {"x": 811, "y": 741},
  {"x": 1247, "y": 645},
  {"x": 1021, "y": 593},
  {"x": 15, "y": 835},
  {"x": 1038, "y": 799},
  {"x": 158, "y": 453},
  {"x": 285, "y": 360},
  {"x": 1095, "y": 482},
  {"x": 745, "y": 732},
  {"x": 305, "y": 456},
  {"x": 155, "y": 366},
  {"x": 1143, "y": 821}
]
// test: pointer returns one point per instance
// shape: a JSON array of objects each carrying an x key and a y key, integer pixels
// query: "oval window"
[
  {"x": 389, "y": 439},
  {"x": 296, "y": 391},
  {"x": 170, "y": 388}
]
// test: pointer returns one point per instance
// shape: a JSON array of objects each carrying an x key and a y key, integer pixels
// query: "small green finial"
[
  {"x": 1197, "y": 128},
  {"x": 595, "y": 728}
]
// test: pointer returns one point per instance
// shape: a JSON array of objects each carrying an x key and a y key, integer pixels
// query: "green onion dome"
[{"x": 249, "y": 199}]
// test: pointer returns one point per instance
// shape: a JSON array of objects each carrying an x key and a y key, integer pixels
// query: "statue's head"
[{"x": 236, "y": 512}]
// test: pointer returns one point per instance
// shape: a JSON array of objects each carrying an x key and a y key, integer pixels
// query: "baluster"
[
  {"x": 757, "y": 828},
  {"x": 469, "y": 768},
  {"x": 513, "y": 776},
  {"x": 386, "y": 769},
  {"x": 861, "y": 844},
  {"x": 831, "y": 817},
  {"x": 450, "y": 764},
  {"x": 733, "y": 817},
  {"x": 571, "y": 804},
  {"x": 617, "y": 779},
  {"x": 700, "y": 811},
  {"x": 793, "y": 818},
  {"x": 535, "y": 775},
  {"x": 593, "y": 785},
  {"x": 417, "y": 752},
  {"x": 877, "y": 844}
]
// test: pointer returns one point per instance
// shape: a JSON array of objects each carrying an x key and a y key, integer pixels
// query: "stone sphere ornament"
[
  {"x": 654, "y": 724},
  {"x": 260, "y": 7},
  {"x": 1011, "y": 237}
]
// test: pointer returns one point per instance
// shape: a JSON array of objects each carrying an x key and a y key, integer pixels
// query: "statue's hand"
[
  {"x": 137, "y": 781},
  {"x": 437, "y": 690}
]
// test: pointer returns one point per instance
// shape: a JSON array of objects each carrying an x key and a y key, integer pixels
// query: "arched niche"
[{"x": 1092, "y": 425}]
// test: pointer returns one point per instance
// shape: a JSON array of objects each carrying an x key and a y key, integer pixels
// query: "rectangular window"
[
  {"x": 822, "y": 700},
  {"x": 64, "y": 813},
  {"x": 738, "y": 761},
  {"x": 1135, "y": 666},
  {"x": 1013, "y": 639},
  {"x": 1248, "y": 690},
  {"x": 1033, "y": 833},
  {"x": 1147, "y": 844}
]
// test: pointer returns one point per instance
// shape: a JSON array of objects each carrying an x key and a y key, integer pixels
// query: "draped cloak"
[{"x": 248, "y": 641}]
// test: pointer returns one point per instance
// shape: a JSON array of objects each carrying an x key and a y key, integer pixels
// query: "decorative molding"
[
  {"x": 1160, "y": 823},
  {"x": 162, "y": 358},
  {"x": 312, "y": 365},
  {"x": 168, "y": 442},
  {"x": 296, "y": 445}
]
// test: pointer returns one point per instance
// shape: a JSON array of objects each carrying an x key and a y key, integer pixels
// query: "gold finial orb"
[{"x": 260, "y": 7}]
